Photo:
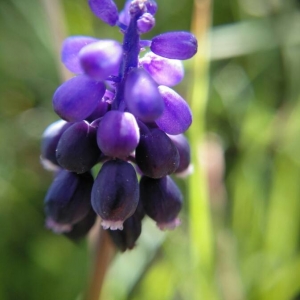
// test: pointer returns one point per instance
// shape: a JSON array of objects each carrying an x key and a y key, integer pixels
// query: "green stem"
[{"x": 201, "y": 233}]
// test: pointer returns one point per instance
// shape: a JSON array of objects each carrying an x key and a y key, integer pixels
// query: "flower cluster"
[{"x": 120, "y": 111}]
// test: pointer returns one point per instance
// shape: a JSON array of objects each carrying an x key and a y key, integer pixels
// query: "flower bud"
[
  {"x": 184, "y": 151},
  {"x": 125, "y": 239},
  {"x": 106, "y": 10},
  {"x": 81, "y": 229},
  {"x": 162, "y": 201},
  {"x": 50, "y": 140},
  {"x": 145, "y": 23},
  {"x": 176, "y": 45},
  {"x": 177, "y": 116},
  {"x": 77, "y": 150},
  {"x": 101, "y": 59},
  {"x": 164, "y": 71},
  {"x": 115, "y": 193},
  {"x": 142, "y": 96},
  {"x": 77, "y": 98},
  {"x": 70, "y": 49},
  {"x": 156, "y": 155},
  {"x": 151, "y": 7},
  {"x": 118, "y": 134},
  {"x": 68, "y": 200},
  {"x": 124, "y": 15}
]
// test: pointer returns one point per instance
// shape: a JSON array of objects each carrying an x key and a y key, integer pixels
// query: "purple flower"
[{"x": 119, "y": 111}]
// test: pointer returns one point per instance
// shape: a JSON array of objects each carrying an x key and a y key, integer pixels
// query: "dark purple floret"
[
  {"x": 77, "y": 98},
  {"x": 176, "y": 45},
  {"x": 50, "y": 140},
  {"x": 81, "y": 229},
  {"x": 115, "y": 194},
  {"x": 125, "y": 239},
  {"x": 106, "y": 10},
  {"x": 184, "y": 151},
  {"x": 68, "y": 200},
  {"x": 162, "y": 201},
  {"x": 77, "y": 150},
  {"x": 156, "y": 155}
]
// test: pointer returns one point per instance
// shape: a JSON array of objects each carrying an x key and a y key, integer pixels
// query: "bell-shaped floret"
[
  {"x": 70, "y": 49},
  {"x": 50, "y": 140},
  {"x": 106, "y": 10},
  {"x": 176, "y": 45},
  {"x": 68, "y": 200},
  {"x": 77, "y": 150},
  {"x": 156, "y": 155},
  {"x": 118, "y": 134},
  {"x": 125, "y": 239},
  {"x": 81, "y": 229},
  {"x": 184, "y": 151},
  {"x": 115, "y": 193},
  {"x": 77, "y": 98},
  {"x": 101, "y": 59},
  {"x": 142, "y": 96},
  {"x": 162, "y": 201},
  {"x": 145, "y": 23},
  {"x": 177, "y": 116},
  {"x": 164, "y": 71}
]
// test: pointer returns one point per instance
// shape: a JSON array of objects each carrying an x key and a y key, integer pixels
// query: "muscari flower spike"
[{"x": 119, "y": 110}]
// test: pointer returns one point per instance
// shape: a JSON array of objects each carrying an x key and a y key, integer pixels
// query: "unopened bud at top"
[
  {"x": 176, "y": 45},
  {"x": 106, "y": 10}
]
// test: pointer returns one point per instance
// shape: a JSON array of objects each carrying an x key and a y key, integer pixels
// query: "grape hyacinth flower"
[{"x": 119, "y": 110}]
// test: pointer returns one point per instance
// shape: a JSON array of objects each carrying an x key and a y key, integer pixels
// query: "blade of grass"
[{"x": 201, "y": 234}]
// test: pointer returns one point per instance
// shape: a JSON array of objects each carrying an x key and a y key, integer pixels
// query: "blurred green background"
[{"x": 240, "y": 231}]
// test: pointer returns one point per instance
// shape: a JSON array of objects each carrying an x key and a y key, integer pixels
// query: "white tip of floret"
[
  {"x": 112, "y": 225},
  {"x": 169, "y": 225},
  {"x": 188, "y": 171},
  {"x": 57, "y": 227},
  {"x": 48, "y": 165}
]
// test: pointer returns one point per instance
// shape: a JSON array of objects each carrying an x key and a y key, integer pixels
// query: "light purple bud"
[
  {"x": 70, "y": 49},
  {"x": 177, "y": 116},
  {"x": 176, "y": 45},
  {"x": 145, "y": 23},
  {"x": 77, "y": 98},
  {"x": 115, "y": 193},
  {"x": 124, "y": 16},
  {"x": 151, "y": 6},
  {"x": 142, "y": 96},
  {"x": 101, "y": 59},
  {"x": 164, "y": 71},
  {"x": 106, "y": 10},
  {"x": 118, "y": 134}
]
